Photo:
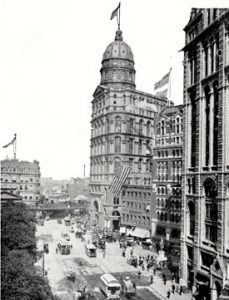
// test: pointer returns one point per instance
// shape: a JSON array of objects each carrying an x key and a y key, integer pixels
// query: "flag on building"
[
  {"x": 11, "y": 143},
  {"x": 121, "y": 172},
  {"x": 162, "y": 87},
  {"x": 115, "y": 12}
]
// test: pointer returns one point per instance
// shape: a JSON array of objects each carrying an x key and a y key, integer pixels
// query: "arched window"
[
  {"x": 148, "y": 127},
  {"x": 193, "y": 129},
  {"x": 117, "y": 144},
  {"x": 216, "y": 123},
  {"x": 158, "y": 215},
  {"x": 177, "y": 125},
  {"x": 162, "y": 216},
  {"x": 191, "y": 218},
  {"x": 162, "y": 127},
  {"x": 141, "y": 124},
  {"x": 207, "y": 125},
  {"x": 118, "y": 125},
  {"x": 211, "y": 210},
  {"x": 140, "y": 164},
  {"x": 140, "y": 146},
  {"x": 148, "y": 165}
]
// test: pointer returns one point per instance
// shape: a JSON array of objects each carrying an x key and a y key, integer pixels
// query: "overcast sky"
[{"x": 50, "y": 57}]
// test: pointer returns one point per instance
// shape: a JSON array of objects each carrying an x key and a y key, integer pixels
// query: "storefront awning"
[{"x": 141, "y": 233}]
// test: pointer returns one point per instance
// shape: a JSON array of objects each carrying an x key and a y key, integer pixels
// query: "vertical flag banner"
[
  {"x": 121, "y": 172},
  {"x": 162, "y": 87}
]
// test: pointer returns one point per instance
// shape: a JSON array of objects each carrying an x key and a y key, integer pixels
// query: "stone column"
[
  {"x": 203, "y": 131},
  {"x": 209, "y": 60},
  {"x": 227, "y": 48},
  {"x": 211, "y": 129}
]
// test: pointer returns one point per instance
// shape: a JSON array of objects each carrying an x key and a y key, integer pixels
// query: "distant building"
[
  {"x": 166, "y": 172},
  {"x": 22, "y": 178},
  {"x": 123, "y": 127},
  {"x": 205, "y": 184},
  {"x": 78, "y": 186}
]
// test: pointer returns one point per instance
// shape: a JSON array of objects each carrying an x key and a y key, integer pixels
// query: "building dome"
[{"x": 118, "y": 64}]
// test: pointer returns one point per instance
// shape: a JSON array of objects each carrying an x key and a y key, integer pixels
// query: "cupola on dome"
[{"x": 118, "y": 64}]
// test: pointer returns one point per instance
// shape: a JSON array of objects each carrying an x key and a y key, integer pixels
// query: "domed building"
[
  {"x": 123, "y": 126},
  {"x": 118, "y": 64}
]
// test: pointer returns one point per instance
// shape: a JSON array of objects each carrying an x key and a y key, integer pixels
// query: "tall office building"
[
  {"x": 167, "y": 167},
  {"x": 123, "y": 127},
  {"x": 205, "y": 184}
]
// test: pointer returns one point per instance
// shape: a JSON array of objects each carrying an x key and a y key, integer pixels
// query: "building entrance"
[{"x": 116, "y": 220}]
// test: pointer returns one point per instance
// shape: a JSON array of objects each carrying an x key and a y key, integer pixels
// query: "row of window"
[
  {"x": 19, "y": 170},
  {"x": 138, "y": 220},
  {"x": 175, "y": 153},
  {"x": 170, "y": 126},
  {"x": 163, "y": 216},
  {"x": 132, "y": 126},
  {"x": 167, "y": 141},
  {"x": 31, "y": 198},
  {"x": 165, "y": 203},
  {"x": 137, "y": 205},
  {"x": 133, "y": 194},
  {"x": 141, "y": 166}
]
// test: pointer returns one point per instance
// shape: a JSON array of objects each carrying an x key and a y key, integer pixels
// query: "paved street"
[{"x": 90, "y": 269}]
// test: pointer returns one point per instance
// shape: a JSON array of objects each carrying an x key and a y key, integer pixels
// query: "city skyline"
[{"x": 51, "y": 56}]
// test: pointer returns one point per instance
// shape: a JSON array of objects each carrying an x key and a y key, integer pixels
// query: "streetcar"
[
  {"x": 64, "y": 247},
  {"x": 90, "y": 250},
  {"x": 65, "y": 235},
  {"x": 110, "y": 286}
]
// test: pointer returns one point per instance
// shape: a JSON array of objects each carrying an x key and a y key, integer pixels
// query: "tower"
[{"x": 122, "y": 122}]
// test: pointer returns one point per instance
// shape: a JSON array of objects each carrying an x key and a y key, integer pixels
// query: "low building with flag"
[
  {"x": 122, "y": 139},
  {"x": 22, "y": 178}
]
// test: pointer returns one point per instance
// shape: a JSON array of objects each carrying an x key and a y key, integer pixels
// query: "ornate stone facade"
[
  {"x": 22, "y": 177},
  {"x": 205, "y": 205},
  {"x": 167, "y": 166},
  {"x": 123, "y": 127}
]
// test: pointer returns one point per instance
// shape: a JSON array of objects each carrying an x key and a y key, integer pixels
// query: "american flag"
[{"x": 121, "y": 172}]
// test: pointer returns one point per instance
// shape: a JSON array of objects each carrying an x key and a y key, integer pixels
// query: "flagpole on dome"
[
  {"x": 119, "y": 12},
  {"x": 169, "y": 93}
]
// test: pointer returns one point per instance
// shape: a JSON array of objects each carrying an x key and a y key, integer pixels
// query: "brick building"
[
  {"x": 205, "y": 184},
  {"x": 123, "y": 127},
  {"x": 22, "y": 178},
  {"x": 167, "y": 166}
]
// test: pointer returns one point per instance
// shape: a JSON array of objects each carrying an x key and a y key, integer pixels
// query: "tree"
[
  {"x": 17, "y": 228},
  {"x": 19, "y": 278}
]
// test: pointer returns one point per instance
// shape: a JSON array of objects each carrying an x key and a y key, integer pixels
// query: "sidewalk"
[{"x": 160, "y": 289}]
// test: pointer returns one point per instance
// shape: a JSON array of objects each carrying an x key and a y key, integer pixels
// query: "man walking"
[{"x": 151, "y": 279}]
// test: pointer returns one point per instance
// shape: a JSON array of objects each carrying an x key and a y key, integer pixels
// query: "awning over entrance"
[{"x": 141, "y": 233}]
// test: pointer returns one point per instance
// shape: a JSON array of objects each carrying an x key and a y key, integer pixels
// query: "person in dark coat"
[
  {"x": 164, "y": 278},
  {"x": 151, "y": 279},
  {"x": 139, "y": 274},
  {"x": 173, "y": 288},
  {"x": 168, "y": 294},
  {"x": 181, "y": 290}
]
